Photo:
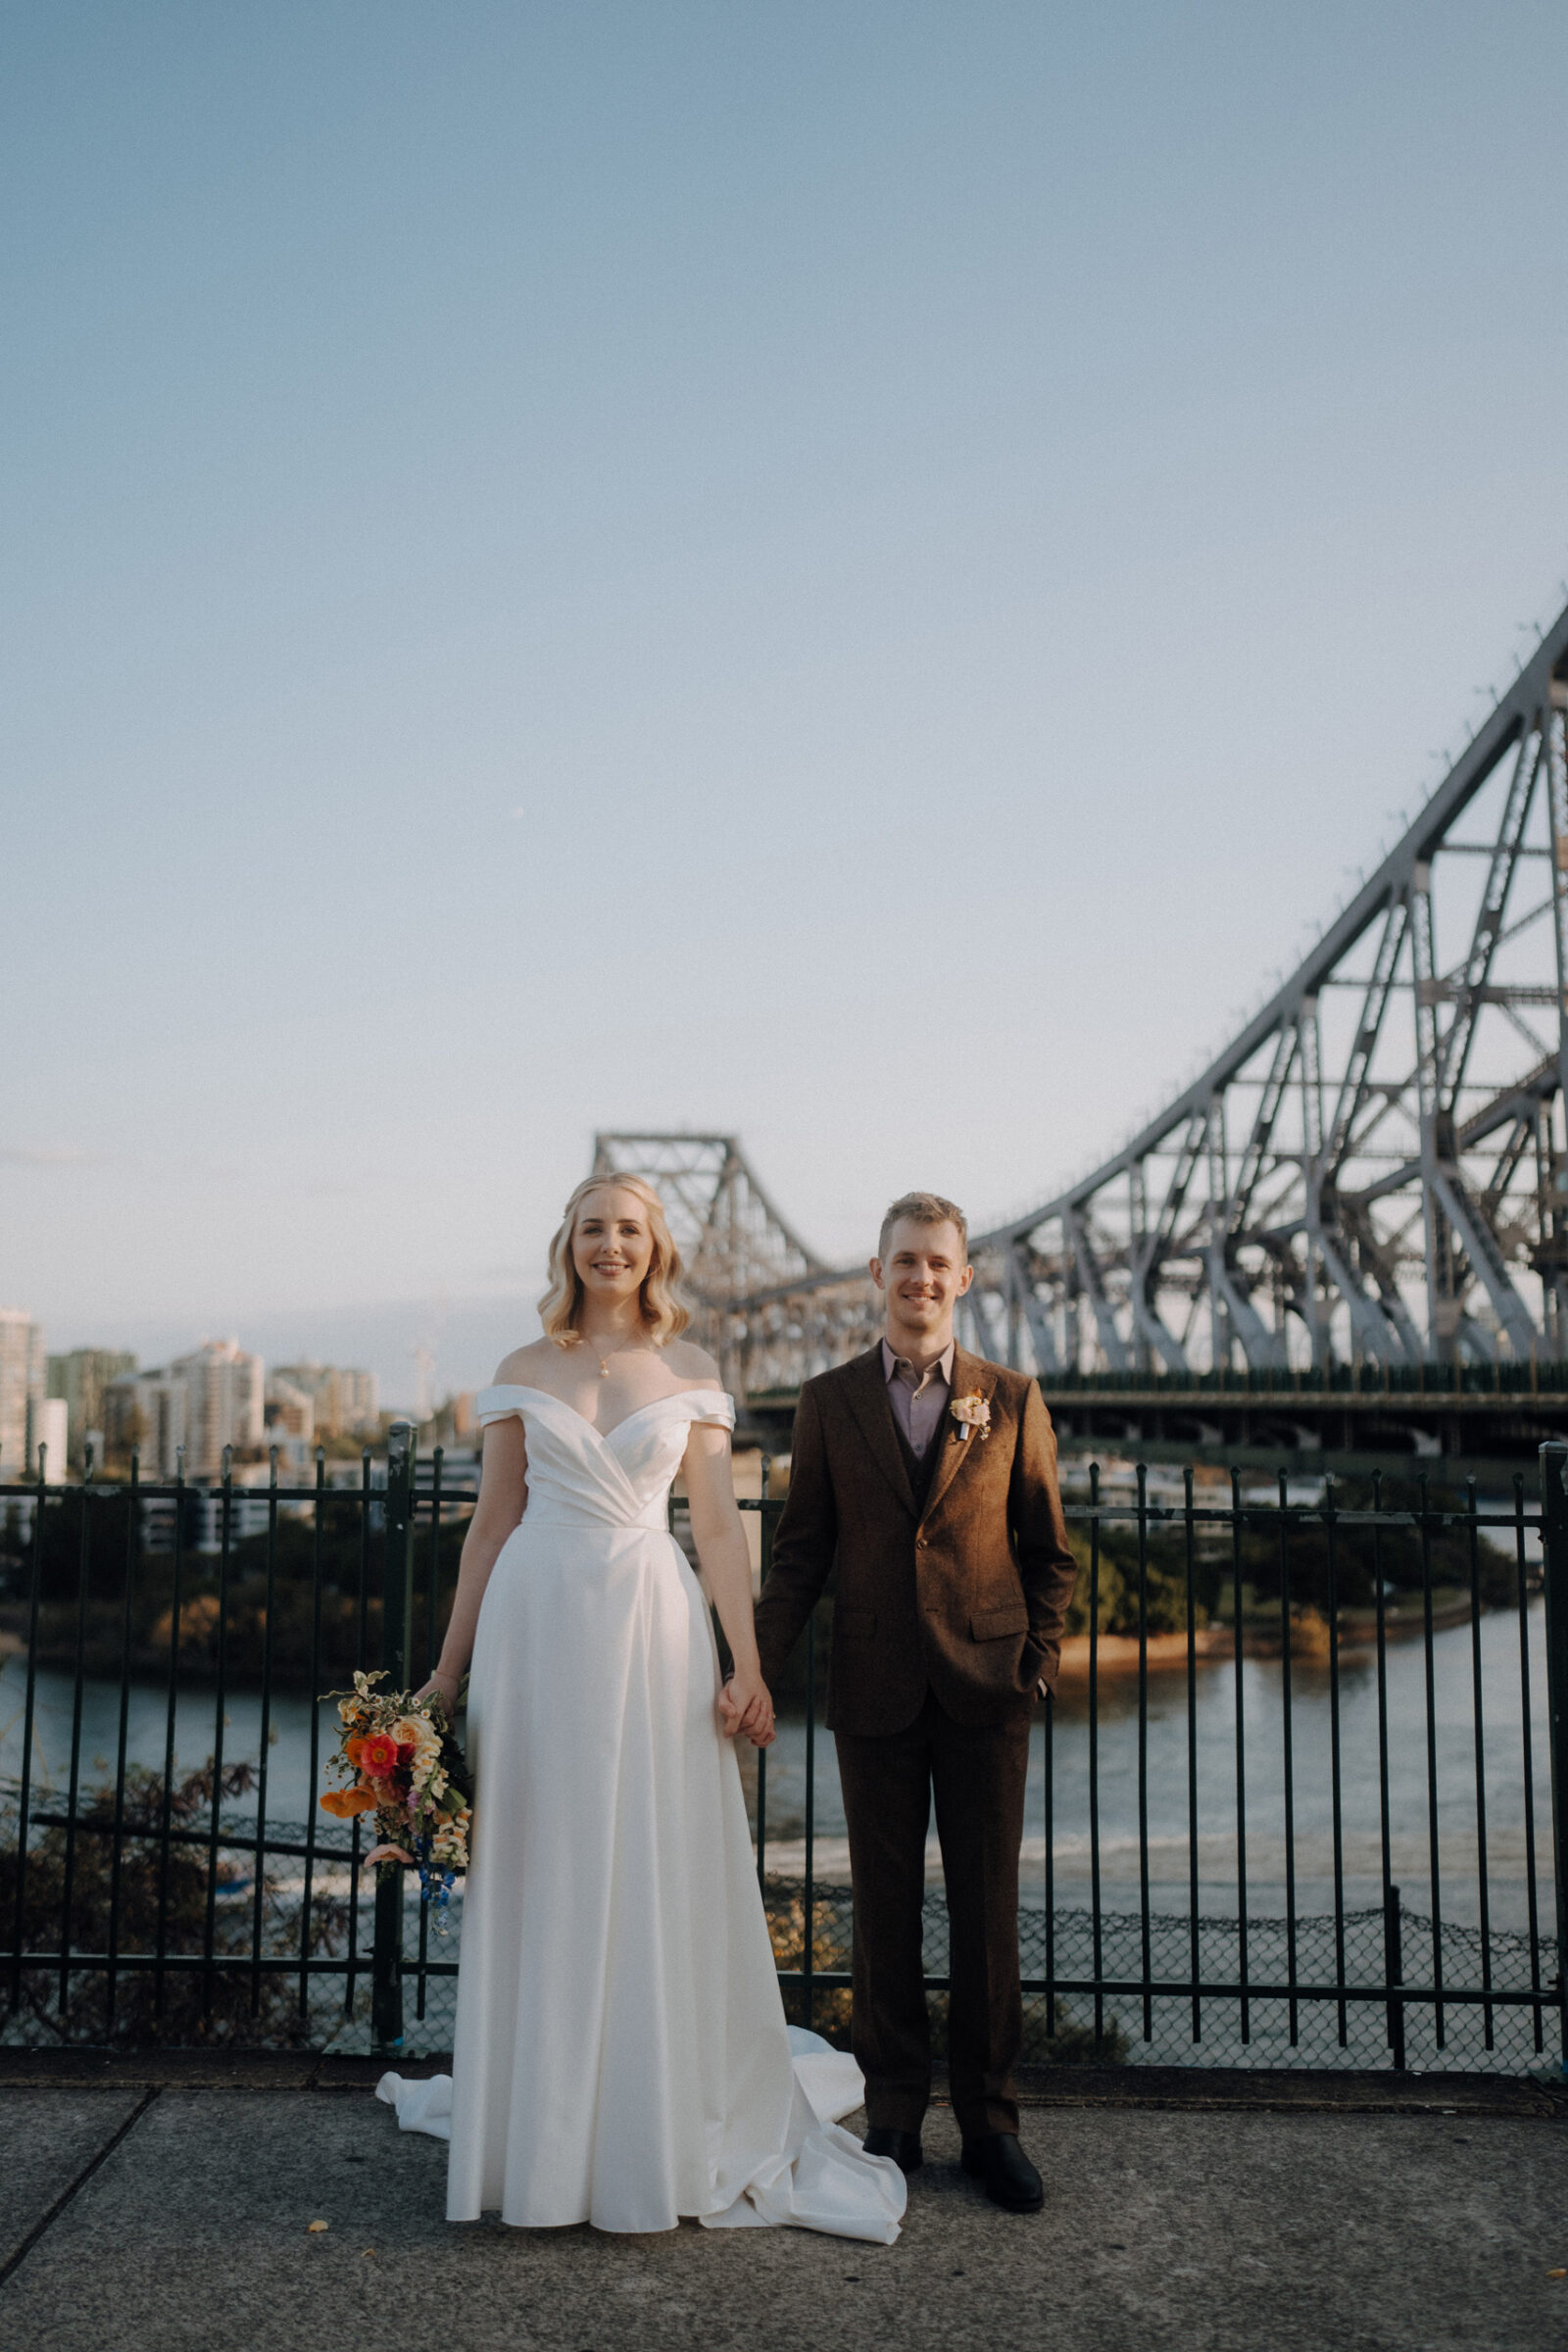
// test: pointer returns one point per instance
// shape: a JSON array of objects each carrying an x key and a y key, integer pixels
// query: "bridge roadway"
[{"x": 1282, "y": 1420}]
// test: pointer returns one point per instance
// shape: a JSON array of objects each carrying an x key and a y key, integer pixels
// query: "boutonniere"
[{"x": 971, "y": 1413}]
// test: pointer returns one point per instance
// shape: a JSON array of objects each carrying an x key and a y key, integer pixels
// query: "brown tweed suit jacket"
[{"x": 966, "y": 1598}]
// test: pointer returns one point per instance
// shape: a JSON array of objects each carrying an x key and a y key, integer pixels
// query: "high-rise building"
[
  {"x": 202, "y": 1402},
  {"x": 290, "y": 1410},
  {"x": 47, "y": 1434},
  {"x": 346, "y": 1402},
  {"x": 225, "y": 1403},
  {"x": 147, "y": 1414},
  {"x": 22, "y": 1385},
  {"x": 80, "y": 1379}
]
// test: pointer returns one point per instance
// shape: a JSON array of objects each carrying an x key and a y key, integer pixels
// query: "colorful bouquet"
[{"x": 401, "y": 1763}]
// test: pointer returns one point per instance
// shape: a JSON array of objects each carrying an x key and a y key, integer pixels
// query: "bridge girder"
[
  {"x": 1396, "y": 1225},
  {"x": 733, "y": 1241},
  {"x": 1376, "y": 1165}
]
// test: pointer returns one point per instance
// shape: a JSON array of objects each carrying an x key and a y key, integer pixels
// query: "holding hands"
[{"x": 745, "y": 1706}]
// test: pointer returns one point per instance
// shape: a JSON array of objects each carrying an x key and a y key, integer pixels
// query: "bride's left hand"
[{"x": 745, "y": 1706}]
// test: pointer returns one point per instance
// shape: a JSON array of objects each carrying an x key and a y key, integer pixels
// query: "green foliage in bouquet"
[{"x": 400, "y": 1761}]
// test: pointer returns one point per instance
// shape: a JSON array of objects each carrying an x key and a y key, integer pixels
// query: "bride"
[{"x": 621, "y": 2055}]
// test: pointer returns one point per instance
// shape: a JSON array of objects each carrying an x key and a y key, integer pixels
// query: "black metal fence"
[
  {"x": 1300, "y": 1797},
  {"x": 140, "y": 1892},
  {"x": 1429, "y": 1966}
]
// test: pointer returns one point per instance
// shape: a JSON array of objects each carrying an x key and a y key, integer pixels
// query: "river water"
[
  {"x": 1263, "y": 1713},
  {"x": 288, "y": 1794}
]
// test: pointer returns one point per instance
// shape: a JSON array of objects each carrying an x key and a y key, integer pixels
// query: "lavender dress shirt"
[{"x": 918, "y": 1398}]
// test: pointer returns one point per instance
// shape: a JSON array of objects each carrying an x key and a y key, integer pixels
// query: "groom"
[{"x": 930, "y": 1477}]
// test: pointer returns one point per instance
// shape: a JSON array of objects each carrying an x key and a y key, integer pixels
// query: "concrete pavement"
[{"x": 167, "y": 2206}]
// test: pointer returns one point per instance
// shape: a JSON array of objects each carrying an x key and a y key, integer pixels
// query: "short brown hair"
[{"x": 925, "y": 1208}]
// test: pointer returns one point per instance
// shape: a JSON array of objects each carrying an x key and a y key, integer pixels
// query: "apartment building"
[
  {"x": 290, "y": 1411},
  {"x": 346, "y": 1402},
  {"x": 147, "y": 1413},
  {"x": 225, "y": 1391},
  {"x": 81, "y": 1380},
  {"x": 203, "y": 1401},
  {"x": 21, "y": 1387},
  {"x": 47, "y": 1438}
]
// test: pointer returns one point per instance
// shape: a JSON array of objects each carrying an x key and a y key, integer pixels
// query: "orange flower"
[
  {"x": 379, "y": 1755},
  {"x": 346, "y": 1802},
  {"x": 352, "y": 1747}
]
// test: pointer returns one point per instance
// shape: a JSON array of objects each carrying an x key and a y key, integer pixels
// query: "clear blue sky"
[{"x": 859, "y": 573}]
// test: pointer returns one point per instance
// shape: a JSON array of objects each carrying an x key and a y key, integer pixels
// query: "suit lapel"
[
  {"x": 869, "y": 1401},
  {"x": 972, "y": 1376}
]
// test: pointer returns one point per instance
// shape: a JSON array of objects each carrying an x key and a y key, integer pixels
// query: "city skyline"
[{"x": 191, "y": 1409}]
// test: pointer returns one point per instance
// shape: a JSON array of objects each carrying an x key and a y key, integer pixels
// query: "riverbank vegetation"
[
  {"x": 1275, "y": 1554},
  {"x": 304, "y": 1604},
  {"x": 1053, "y": 2034},
  {"x": 95, "y": 1892}
]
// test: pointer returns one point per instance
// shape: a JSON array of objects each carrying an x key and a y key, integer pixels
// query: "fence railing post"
[
  {"x": 1554, "y": 1551},
  {"x": 397, "y": 1617},
  {"x": 1393, "y": 1970}
]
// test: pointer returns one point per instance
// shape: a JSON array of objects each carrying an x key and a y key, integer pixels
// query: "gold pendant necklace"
[{"x": 602, "y": 1361}]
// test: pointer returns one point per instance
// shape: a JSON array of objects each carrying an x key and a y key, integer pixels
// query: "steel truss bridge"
[{"x": 1367, "y": 1190}]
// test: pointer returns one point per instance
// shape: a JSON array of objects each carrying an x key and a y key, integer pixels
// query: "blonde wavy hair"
[{"x": 665, "y": 1316}]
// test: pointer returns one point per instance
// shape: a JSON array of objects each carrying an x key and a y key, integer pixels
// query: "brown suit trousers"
[{"x": 948, "y": 1615}]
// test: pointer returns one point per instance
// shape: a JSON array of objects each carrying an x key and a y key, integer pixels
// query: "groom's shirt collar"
[{"x": 918, "y": 1398}]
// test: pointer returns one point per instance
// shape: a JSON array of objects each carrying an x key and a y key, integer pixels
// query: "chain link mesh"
[
  {"x": 1065, "y": 2027},
  {"x": 1061, "y": 2029}
]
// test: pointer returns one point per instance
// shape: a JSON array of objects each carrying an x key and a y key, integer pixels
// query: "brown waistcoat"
[{"x": 965, "y": 1594}]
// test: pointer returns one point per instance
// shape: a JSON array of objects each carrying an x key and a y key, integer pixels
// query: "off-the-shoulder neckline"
[{"x": 523, "y": 1388}]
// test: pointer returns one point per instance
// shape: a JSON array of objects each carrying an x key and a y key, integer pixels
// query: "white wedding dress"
[{"x": 621, "y": 2055}]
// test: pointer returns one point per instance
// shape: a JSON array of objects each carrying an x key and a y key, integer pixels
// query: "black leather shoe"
[
  {"x": 903, "y": 2146},
  {"x": 1004, "y": 2172}
]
